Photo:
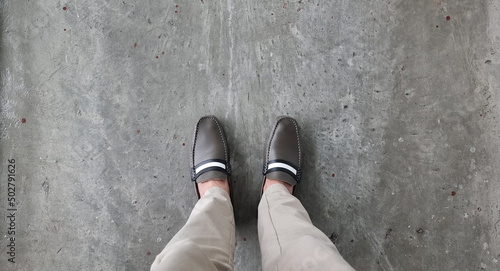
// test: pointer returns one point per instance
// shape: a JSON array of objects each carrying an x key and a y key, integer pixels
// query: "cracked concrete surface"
[{"x": 397, "y": 102}]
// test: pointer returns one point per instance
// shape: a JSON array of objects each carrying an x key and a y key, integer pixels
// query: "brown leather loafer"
[
  {"x": 210, "y": 153},
  {"x": 283, "y": 156}
]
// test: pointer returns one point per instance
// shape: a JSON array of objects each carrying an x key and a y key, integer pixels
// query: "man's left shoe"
[{"x": 210, "y": 153}]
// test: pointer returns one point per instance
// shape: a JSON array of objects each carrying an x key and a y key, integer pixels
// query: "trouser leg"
[
  {"x": 288, "y": 239},
  {"x": 207, "y": 241}
]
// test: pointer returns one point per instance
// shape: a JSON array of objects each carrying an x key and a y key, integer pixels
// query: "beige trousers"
[{"x": 288, "y": 240}]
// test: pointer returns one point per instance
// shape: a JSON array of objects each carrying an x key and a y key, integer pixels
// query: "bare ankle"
[
  {"x": 271, "y": 182},
  {"x": 204, "y": 186}
]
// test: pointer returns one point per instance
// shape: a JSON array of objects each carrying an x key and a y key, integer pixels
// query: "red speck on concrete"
[
  {"x": 333, "y": 174},
  {"x": 135, "y": 45},
  {"x": 223, "y": 74},
  {"x": 183, "y": 144},
  {"x": 448, "y": 18},
  {"x": 202, "y": 1},
  {"x": 64, "y": 29},
  {"x": 162, "y": 53},
  {"x": 149, "y": 253},
  {"x": 176, "y": 11},
  {"x": 244, "y": 239},
  {"x": 284, "y": 4},
  {"x": 176, "y": 6},
  {"x": 437, "y": 26},
  {"x": 65, "y": 8},
  {"x": 480, "y": 115},
  {"x": 272, "y": 13},
  {"x": 453, "y": 193},
  {"x": 138, "y": 131},
  {"x": 23, "y": 120},
  {"x": 157, "y": 57},
  {"x": 298, "y": 9},
  {"x": 159, "y": 36}
]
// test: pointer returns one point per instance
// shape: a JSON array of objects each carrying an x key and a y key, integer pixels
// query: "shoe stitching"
[
  {"x": 192, "y": 154},
  {"x": 298, "y": 143},
  {"x": 271, "y": 140},
  {"x": 195, "y": 139},
  {"x": 222, "y": 138}
]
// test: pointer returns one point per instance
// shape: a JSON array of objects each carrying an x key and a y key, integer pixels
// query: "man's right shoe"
[{"x": 283, "y": 155}]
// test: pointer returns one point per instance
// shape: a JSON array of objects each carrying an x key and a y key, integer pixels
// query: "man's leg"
[
  {"x": 207, "y": 241},
  {"x": 287, "y": 237}
]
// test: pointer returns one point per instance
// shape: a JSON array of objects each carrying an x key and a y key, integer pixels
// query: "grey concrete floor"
[{"x": 397, "y": 101}]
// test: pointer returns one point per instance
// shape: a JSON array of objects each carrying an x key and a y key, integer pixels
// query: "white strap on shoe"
[
  {"x": 281, "y": 165},
  {"x": 209, "y": 165}
]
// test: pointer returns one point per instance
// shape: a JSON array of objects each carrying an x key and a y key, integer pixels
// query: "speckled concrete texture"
[{"x": 397, "y": 101}]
